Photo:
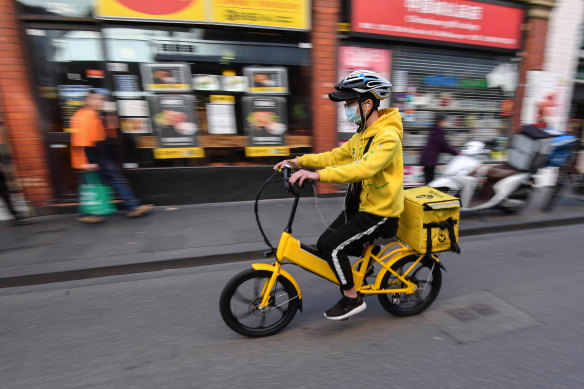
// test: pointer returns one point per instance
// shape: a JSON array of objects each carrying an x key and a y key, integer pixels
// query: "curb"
[{"x": 144, "y": 267}]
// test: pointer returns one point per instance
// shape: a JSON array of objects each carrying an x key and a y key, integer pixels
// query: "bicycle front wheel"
[
  {"x": 241, "y": 297},
  {"x": 427, "y": 277}
]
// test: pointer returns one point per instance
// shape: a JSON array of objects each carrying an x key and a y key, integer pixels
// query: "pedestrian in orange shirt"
[{"x": 89, "y": 153}]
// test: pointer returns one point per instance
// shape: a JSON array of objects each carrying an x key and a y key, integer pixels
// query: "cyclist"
[{"x": 372, "y": 161}]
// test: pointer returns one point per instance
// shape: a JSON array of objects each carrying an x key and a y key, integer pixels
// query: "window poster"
[
  {"x": 353, "y": 58},
  {"x": 130, "y": 108},
  {"x": 71, "y": 97},
  {"x": 546, "y": 101},
  {"x": 174, "y": 121},
  {"x": 234, "y": 83},
  {"x": 135, "y": 125},
  {"x": 265, "y": 120},
  {"x": 206, "y": 82},
  {"x": 126, "y": 84},
  {"x": 166, "y": 77},
  {"x": 221, "y": 115},
  {"x": 267, "y": 79}
]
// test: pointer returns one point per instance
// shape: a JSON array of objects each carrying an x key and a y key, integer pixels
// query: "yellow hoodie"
[{"x": 381, "y": 169}]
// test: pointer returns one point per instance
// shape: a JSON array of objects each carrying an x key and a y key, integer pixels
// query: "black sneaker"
[{"x": 345, "y": 308}]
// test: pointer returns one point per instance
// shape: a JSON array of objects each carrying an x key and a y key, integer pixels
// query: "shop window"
[
  {"x": 62, "y": 8},
  {"x": 65, "y": 65},
  {"x": 475, "y": 92},
  {"x": 216, "y": 102}
]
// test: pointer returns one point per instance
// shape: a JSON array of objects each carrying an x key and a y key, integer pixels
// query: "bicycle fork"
[{"x": 269, "y": 285}]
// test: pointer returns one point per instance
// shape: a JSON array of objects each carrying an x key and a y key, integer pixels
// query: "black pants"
[
  {"x": 344, "y": 238},
  {"x": 5, "y": 194},
  {"x": 429, "y": 174}
]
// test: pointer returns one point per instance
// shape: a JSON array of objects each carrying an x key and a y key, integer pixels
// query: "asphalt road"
[{"x": 509, "y": 315}]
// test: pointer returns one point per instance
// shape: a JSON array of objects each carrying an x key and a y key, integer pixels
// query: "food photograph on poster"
[
  {"x": 265, "y": 120},
  {"x": 172, "y": 77},
  {"x": 267, "y": 79},
  {"x": 174, "y": 121}
]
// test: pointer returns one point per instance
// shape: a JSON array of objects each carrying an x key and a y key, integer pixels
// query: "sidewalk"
[{"x": 55, "y": 244}]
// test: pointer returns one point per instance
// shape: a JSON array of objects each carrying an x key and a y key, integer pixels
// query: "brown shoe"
[
  {"x": 91, "y": 219},
  {"x": 140, "y": 210}
]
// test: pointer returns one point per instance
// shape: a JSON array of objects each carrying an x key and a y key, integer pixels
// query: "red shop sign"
[{"x": 458, "y": 21}]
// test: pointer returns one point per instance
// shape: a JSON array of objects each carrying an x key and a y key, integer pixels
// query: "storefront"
[
  {"x": 201, "y": 93},
  {"x": 455, "y": 57},
  {"x": 577, "y": 106}
]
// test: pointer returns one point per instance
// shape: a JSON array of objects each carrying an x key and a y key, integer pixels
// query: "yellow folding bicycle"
[{"x": 264, "y": 299}]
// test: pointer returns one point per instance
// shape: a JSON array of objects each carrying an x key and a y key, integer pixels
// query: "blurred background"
[
  {"x": 202, "y": 98},
  {"x": 251, "y": 79}
]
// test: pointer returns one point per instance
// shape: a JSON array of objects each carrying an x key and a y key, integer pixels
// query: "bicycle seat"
[{"x": 311, "y": 250}]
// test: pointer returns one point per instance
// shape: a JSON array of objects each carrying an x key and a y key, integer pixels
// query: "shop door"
[{"x": 66, "y": 62}]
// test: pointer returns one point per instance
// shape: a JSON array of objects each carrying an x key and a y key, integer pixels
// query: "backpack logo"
[
  {"x": 423, "y": 196},
  {"x": 442, "y": 238}
]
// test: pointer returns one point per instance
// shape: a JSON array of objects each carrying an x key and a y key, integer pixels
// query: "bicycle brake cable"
[{"x": 256, "y": 210}]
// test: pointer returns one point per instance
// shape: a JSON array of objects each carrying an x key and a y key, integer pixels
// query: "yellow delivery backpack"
[{"x": 429, "y": 222}]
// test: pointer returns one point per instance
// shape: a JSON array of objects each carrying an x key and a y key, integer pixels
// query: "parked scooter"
[{"x": 481, "y": 186}]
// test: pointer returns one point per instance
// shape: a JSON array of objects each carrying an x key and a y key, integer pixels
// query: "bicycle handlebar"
[{"x": 287, "y": 173}]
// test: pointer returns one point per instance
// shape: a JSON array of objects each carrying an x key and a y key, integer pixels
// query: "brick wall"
[
  {"x": 19, "y": 111},
  {"x": 325, "y": 14},
  {"x": 533, "y": 59}
]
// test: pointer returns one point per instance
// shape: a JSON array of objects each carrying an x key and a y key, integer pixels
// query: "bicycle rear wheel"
[
  {"x": 426, "y": 275},
  {"x": 241, "y": 298}
]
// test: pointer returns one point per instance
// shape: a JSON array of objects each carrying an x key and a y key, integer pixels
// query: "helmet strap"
[{"x": 363, "y": 118}]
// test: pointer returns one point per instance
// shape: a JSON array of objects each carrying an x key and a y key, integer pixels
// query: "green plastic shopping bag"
[{"x": 95, "y": 198}]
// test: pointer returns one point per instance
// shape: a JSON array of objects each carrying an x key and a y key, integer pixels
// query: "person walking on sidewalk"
[
  {"x": 89, "y": 153},
  {"x": 436, "y": 144},
  {"x": 5, "y": 193},
  {"x": 372, "y": 161}
]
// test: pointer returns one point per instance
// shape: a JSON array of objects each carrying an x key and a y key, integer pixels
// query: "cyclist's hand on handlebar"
[
  {"x": 302, "y": 175},
  {"x": 293, "y": 162}
]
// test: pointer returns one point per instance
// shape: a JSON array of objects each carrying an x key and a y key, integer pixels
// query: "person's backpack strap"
[
  {"x": 368, "y": 144},
  {"x": 354, "y": 189}
]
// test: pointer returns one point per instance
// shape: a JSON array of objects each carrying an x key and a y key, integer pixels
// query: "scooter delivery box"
[{"x": 429, "y": 222}]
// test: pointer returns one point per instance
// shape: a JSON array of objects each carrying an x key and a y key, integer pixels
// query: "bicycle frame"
[{"x": 290, "y": 248}]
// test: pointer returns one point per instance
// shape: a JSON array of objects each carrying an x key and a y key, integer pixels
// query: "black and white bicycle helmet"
[{"x": 361, "y": 82}]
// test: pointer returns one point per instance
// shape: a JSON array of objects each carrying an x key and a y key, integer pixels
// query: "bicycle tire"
[
  {"x": 234, "y": 318},
  {"x": 390, "y": 281}
]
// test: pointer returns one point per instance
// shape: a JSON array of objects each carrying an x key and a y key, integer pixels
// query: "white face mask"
[{"x": 353, "y": 115}]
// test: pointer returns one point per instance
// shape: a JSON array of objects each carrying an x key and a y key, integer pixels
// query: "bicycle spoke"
[
  {"x": 262, "y": 322},
  {"x": 240, "y": 297},
  {"x": 242, "y": 315},
  {"x": 256, "y": 286}
]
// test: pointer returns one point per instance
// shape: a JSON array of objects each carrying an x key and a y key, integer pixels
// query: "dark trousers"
[
  {"x": 344, "y": 238},
  {"x": 5, "y": 194},
  {"x": 112, "y": 175},
  {"x": 429, "y": 174}
]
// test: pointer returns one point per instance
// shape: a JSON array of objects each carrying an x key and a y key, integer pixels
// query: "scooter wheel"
[{"x": 518, "y": 200}]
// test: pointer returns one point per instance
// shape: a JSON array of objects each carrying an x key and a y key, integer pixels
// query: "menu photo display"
[
  {"x": 265, "y": 120},
  {"x": 174, "y": 120},
  {"x": 171, "y": 77},
  {"x": 267, "y": 79}
]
